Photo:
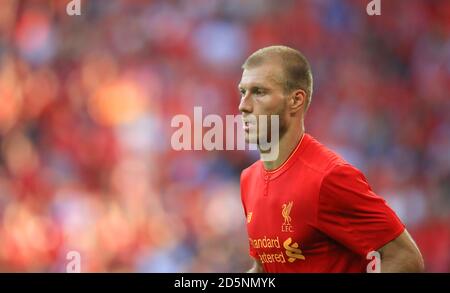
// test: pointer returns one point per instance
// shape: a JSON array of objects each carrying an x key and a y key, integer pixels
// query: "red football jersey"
[{"x": 315, "y": 213}]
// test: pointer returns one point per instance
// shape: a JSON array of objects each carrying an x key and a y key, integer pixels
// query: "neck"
[{"x": 286, "y": 145}]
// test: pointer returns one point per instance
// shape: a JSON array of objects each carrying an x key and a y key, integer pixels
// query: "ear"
[{"x": 297, "y": 101}]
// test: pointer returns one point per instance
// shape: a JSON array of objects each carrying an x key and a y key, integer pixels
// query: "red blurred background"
[{"x": 86, "y": 103}]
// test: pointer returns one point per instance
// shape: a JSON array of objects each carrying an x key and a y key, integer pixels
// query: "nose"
[{"x": 246, "y": 104}]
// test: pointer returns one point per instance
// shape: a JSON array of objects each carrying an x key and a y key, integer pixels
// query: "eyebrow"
[
  {"x": 252, "y": 86},
  {"x": 260, "y": 85}
]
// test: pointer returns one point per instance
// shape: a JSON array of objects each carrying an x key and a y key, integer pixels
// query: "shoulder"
[
  {"x": 320, "y": 158},
  {"x": 345, "y": 173},
  {"x": 344, "y": 185},
  {"x": 248, "y": 177},
  {"x": 251, "y": 171}
]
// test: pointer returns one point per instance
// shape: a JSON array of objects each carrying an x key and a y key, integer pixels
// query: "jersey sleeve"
[
  {"x": 243, "y": 182},
  {"x": 352, "y": 214}
]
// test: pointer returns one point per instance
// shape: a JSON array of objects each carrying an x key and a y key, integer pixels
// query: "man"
[{"x": 309, "y": 210}]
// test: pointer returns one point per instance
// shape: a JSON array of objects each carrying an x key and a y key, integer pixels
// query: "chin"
[{"x": 250, "y": 139}]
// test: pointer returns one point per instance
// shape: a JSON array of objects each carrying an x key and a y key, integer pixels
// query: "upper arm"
[
  {"x": 352, "y": 214},
  {"x": 401, "y": 255}
]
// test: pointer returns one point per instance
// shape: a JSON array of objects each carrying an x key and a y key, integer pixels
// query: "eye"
[
  {"x": 259, "y": 92},
  {"x": 242, "y": 92}
]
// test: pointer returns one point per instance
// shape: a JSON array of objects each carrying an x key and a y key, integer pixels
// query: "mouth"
[{"x": 247, "y": 125}]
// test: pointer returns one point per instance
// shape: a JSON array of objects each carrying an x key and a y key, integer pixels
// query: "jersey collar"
[{"x": 272, "y": 174}]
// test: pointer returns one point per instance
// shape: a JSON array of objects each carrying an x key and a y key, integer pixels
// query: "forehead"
[{"x": 268, "y": 74}]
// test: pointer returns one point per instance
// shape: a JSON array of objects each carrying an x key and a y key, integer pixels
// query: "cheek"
[
  {"x": 281, "y": 111},
  {"x": 280, "y": 107},
  {"x": 273, "y": 104}
]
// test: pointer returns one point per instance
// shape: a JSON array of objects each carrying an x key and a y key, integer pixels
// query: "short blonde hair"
[{"x": 296, "y": 68}]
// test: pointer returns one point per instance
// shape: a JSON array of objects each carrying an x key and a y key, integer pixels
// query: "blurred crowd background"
[{"x": 86, "y": 102}]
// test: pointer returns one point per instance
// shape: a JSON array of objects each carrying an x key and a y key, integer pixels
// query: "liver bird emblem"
[{"x": 286, "y": 211}]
